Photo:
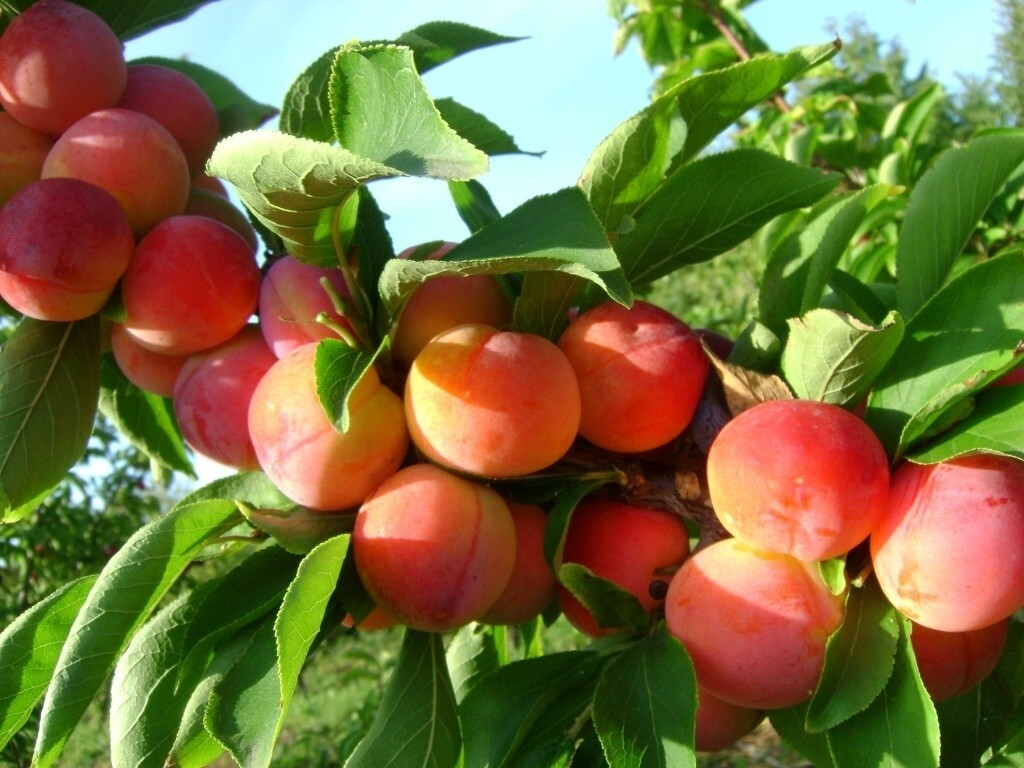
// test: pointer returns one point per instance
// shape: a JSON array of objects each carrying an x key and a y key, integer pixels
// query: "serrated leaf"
[
  {"x": 294, "y": 186},
  {"x": 645, "y": 706},
  {"x": 800, "y": 268},
  {"x": 684, "y": 222},
  {"x": 49, "y": 388},
  {"x": 711, "y": 102},
  {"x": 478, "y": 130},
  {"x": 474, "y": 204},
  {"x": 995, "y": 425},
  {"x": 29, "y": 647},
  {"x": 961, "y": 340},
  {"x": 417, "y": 723},
  {"x": 339, "y": 369},
  {"x": 471, "y": 653},
  {"x": 236, "y": 111},
  {"x": 937, "y": 224},
  {"x": 500, "y": 710},
  {"x": 611, "y": 606},
  {"x": 858, "y": 660},
  {"x": 380, "y": 110},
  {"x": 306, "y": 108},
  {"x": 628, "y": 165},
  {"x": 833, "y": 358},
  {"x": 146, "y": 420},
  {"x": 125, "y": 593},
  {"x": 555, "y": 232},
  {"x": 899, "y": 730}
]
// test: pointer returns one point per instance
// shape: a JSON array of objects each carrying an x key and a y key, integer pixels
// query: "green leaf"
[
  {"x": 899, "y": 730},
  {"x": 438, "y": 42},
  {"x": 251, "y": 488},
  {"x": 555, "y": 232},
  {"x": 789, "y": 723},
  {"x": 238, "y": 597},
  {"x": 559, "y": 517},
  {"x": 294, "y": 186},
  {"x": 557, "y": 732},
  {"x": 146, "y": 705},
  {"x": 684, "y": 222},
  {"x": 646, "y": 704},
  {"x": 471, "y": 653},
  {"x": 299, "y": 530},
  {"x": 834, "y": 358},
  {"x": 125, "y": 593},
  {"x": 612, "y": 606},
  {"x": 995, "y": 425},
  {"x": 339, "y": 369},
  {"x": 50, "y": 385},
  {"x": 478, "y": 130},
  {"x": 938, "y": 224},
  {"x": 306, "y": 108},
  {"x": 630, "y": 164},
  {"x": 380, "y": 110},
  {"x": 130, "y": 20},
  {"x": 961, "y": 340},
  {"x": 146, "y": 420},
  {"x": 474, "y": 204},
  {"x": 802, "y": 266},
  {"x": 859, "y": 658},
  {"x": 236, "y": 111},
  {"x": 243, "y": 709},
  {"x": 29, "y": 647},
  {"x": 417, "y": 724},
  {"x": 711, "y": 102},
  {"x": 546, "y": 302},
  {"x": 500, "y": 710}
]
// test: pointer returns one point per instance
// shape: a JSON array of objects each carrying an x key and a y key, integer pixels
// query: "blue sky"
[{"x": 560, "y": 91}]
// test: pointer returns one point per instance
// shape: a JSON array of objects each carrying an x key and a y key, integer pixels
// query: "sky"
[{"x": 558, "y": 91}]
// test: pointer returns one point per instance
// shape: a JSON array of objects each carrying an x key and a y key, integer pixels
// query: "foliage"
[{"x": 878, "y": 283}]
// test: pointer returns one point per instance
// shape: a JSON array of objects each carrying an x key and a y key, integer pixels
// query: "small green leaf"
[
  {"x": 471, "y": 653},
  {"x": 995, "y": 425},
  {"x": 556, "y": 232},
  {"x": 125, "y": 593},
  {"x": 29, "y": 647},
  {"x": 478, "y": 130},
  {"x": 499, "y": 712},
  {"x": 858, "y": 660},
  {"x": 684, "y": 222},
  {"x": 645, "y": 706},
  {"x": 474, "y": 204},
  {"x": 612, "y": 606},
  {"x": 50, "y": 386},
  {"x": 417, "y": 724},
  {"x": 438, "y": 42},
  {"x": 380, "y": 110},
  {"x": 236, "y": 111},
  {"x": 937, "y": 224},
  {"x": 900, "y": 729},
  {"x": 339, "y": 369},
  {"x": 833, "y": 358},
  {"x": 146, "y": 420},
  {"x": 961, "y": 340}
]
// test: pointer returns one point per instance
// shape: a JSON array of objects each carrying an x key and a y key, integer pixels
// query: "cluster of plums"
[{"x": 103, "y": 204}]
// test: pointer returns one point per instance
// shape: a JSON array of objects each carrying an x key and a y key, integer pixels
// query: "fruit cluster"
[{"x": 105, "y": 208}]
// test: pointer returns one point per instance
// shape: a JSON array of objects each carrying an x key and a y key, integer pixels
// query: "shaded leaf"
[
  {"x": 613, "y": 607},
  {"x": 417, "y": 724},
  {"x": 474, "y": 204},
  {"x": 130, "y": 20},
  {"x": 49, "y": 386},
  {"x": 478, "y": 130},
  {"x": 745, "y": 388},
  {"x": 471, "y": 653},
  {"x": 339, "y": 369}
]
